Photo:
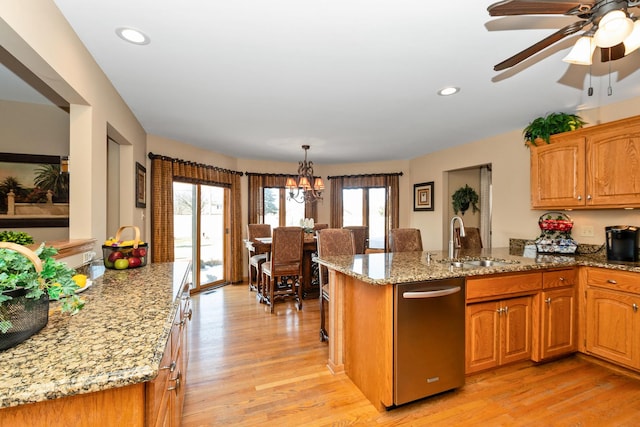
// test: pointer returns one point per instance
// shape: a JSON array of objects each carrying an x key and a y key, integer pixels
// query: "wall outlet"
[
  {"x": 87, "y": 257},
  {"x": 587, "y": 231}
]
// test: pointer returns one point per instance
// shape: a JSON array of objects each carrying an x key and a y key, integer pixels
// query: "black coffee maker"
[{"x": 622, "y": 243}]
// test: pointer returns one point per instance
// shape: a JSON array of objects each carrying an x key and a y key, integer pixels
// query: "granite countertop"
[
  {"x": 118, "y": 338},
  {"x": 406, "y": 267}
]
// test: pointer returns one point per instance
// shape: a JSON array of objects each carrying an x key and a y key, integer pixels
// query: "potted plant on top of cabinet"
[{"x": 551, "y": 124}]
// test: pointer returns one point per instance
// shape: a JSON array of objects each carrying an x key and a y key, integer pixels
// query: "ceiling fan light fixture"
[
  {"x": 582, "y": 52},
  {"x": 613, "y": 28},
  {"x": 632, "y": 42}
]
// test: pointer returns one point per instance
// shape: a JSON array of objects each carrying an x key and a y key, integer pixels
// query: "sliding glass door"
[
  {"x": 367, "y": 206},
  {"x": 200, "y": 231}
]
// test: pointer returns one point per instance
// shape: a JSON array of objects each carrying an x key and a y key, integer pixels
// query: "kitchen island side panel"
[{"x": 368, "y": 322}]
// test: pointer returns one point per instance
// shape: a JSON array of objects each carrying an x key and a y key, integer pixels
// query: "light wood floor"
[{"x": 249, "y": 367}]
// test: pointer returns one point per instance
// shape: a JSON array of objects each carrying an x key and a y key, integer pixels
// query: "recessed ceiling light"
[
  {"x": 446, "y": 91},
  {"x": 132, "y": 35}
]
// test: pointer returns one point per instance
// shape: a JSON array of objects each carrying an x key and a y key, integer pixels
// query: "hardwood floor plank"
[{"x": 250, "y": 367}]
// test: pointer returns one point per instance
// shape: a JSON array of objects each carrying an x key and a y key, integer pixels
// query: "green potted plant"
[
  {"x": 463, "y": 198},
  {"x": 28, "y": 280},
  {"x": 551, "y": 124}
]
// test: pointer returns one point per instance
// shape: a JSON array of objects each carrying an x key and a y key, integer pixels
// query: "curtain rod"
[
  {"x": 365, "y": 175},
  {"x": 269, "y": 174},
  {"x": 187, "y": 162}
]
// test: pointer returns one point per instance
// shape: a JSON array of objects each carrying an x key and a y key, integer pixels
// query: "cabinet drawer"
[
  {"x": 558, "y": 278},
  {"x": 613, "y": 279},
  {"x": 503, "y": 285}
]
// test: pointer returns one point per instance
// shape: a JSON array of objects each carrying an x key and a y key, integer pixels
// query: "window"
[
  {"x": 279, "y": 210},
  {"x": 366, "y": 206}
]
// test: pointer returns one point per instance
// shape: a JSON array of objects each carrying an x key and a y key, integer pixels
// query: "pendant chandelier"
[{"x": 302, "y": 190}]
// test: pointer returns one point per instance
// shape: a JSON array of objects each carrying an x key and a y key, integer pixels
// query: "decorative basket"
[
  {"x": 555, "y": 236},
  {"x": 27, "y": 315},
  {"x": 133, "y": 251}
]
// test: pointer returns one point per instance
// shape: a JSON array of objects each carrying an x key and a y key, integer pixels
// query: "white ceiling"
[{"x": 355, "y": 79}]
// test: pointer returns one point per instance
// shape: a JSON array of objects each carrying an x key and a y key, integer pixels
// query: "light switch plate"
[{"x": 586, "y": 231}]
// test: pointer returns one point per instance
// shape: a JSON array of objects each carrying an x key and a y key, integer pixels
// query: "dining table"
[{"x": 310, "y": 277}]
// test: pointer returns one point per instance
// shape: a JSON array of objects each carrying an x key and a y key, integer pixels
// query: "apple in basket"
[{"x": 134, "y": 262}]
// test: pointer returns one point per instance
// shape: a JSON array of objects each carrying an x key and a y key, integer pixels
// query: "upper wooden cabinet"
[{"x": 591, "y": 168}]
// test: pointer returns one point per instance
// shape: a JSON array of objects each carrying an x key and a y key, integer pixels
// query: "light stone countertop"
[
  {"x": 406, "y": 267},
  {"x": 117, "y": 339}
]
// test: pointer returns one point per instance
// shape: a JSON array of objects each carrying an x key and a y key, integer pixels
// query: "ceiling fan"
[{"x": 613, "y": 28}]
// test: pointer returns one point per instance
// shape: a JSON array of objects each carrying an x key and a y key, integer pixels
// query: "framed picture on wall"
[
  {"x": 423, "y": 196},
  {"x": 141, "y": 186}
]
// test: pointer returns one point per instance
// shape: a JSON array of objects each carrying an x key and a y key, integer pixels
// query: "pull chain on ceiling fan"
[{"x": 613, "y": 29}]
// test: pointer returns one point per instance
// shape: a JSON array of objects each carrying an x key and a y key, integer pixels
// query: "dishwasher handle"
[{"x": 431, "y": 294}]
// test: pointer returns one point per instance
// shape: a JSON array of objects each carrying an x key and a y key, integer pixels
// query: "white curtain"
[{"x": 485, "y": 205}]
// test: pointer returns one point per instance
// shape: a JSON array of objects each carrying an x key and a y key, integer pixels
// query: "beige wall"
[
  {"x": 36, "y": 33},
  {"x": 512, "y": 215}
]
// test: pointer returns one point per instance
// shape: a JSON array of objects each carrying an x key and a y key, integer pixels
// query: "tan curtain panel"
[
  {"x": 165, "y": 170},
  {"x": 257, "y": 183},
  {"x": 390, "y": 181}
]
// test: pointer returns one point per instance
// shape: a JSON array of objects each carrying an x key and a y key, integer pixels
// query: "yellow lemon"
[{"x": 80, "y": 279}]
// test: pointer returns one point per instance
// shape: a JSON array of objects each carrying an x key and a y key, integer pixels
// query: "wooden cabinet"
[
  {"x": 498, "y": 332},
  {"x": 594, "y": 167},
  {"x": 556, "y": 334},
  {"x": 499, "y": 319},
  {"x": 165, "y": 394},
  {"x": 612, "y": 317}
]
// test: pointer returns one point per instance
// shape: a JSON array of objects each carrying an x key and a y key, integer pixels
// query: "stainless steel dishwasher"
[{"x": 428, "y": 338}]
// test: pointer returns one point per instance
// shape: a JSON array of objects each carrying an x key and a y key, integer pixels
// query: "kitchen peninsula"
[
  {"x": 104, "y": 365},
  {"x": 361, "y": 305}
]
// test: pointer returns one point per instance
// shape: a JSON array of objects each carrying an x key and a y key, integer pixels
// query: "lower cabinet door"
[
  {"x": 612, "y": 326},
  {"x": 558, "y": 329},
  {"x": 516, "y": 330},
  {"x": 482, "y": 336}
]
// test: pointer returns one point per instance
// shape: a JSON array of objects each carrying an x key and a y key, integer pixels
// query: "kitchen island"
[
  {"x": 361, "y": 303},
  {"x": 104, "y": 355}
]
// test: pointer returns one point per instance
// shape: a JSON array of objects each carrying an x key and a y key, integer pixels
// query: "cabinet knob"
[
  {"x": 506, "y": 309},
  {"x": 611, "y": 281},
  {"x": 579, "y": 198},
  {"x": 500, "y": 310},
  {"x": 588, "y": 196},
  {"x": 548, "y": 300},
  {"x": 561, "y": 279},
  {"x": 635, "y": 307}
]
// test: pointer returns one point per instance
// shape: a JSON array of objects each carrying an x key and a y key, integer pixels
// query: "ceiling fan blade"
[
  {"x": 538, "y": 7},
  {"x": 612, "y": 53},
  {"x": 546, "y": 42}
]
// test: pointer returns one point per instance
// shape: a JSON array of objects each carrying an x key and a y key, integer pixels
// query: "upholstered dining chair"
[
  {"x": 471, "y": 239},
  {"x": 317, "y": 227},
  {"x": 331, "y": 241},
  {"x": 282, "y": 274},
  {"x": 360, "y": 236},
  {"x": 256, "y": 259},
  {"x": 405, "y": 240}
]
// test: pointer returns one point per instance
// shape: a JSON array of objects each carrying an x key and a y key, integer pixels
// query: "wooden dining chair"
[
  {"x": 318, "y": 227},
  {"x": 360, "y": 236},
  {"x": 282, "y": 273},
  {"x": 331, "y": 241},
  {"x": 256, "y": 258},
  {"x": 405, "y": 240}
]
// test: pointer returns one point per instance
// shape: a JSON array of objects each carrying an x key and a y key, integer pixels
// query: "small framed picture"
[
  {"x": 141, "y": 186},
  {"x": 423, "y": 196}
]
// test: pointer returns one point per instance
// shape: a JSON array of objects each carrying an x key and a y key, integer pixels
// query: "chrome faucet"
[{"x": 451, "y": 230}]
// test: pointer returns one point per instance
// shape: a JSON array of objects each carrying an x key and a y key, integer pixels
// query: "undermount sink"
[
  {"x": 475, "y": 263},
  {"x": 487, "y": 263}
]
